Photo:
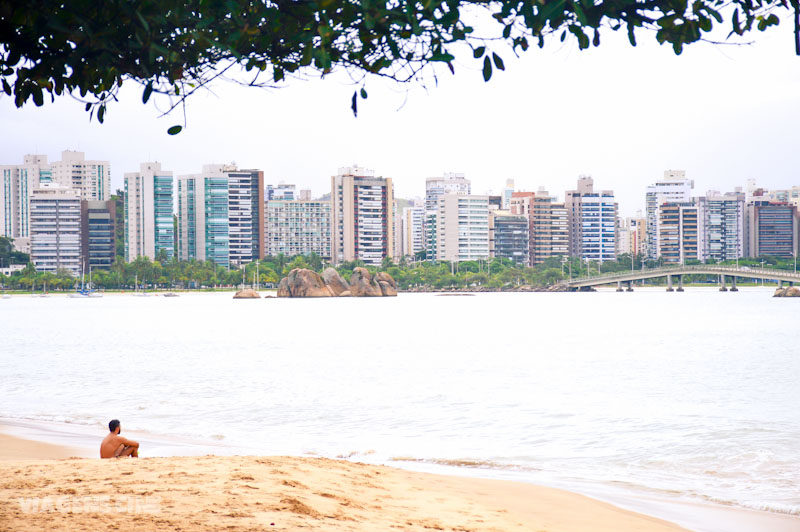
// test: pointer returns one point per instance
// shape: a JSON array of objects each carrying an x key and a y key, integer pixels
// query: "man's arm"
[{"x": 129, "y": 443}]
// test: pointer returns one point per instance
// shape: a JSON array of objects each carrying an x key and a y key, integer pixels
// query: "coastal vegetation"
[{"x": 491, "y": 274}]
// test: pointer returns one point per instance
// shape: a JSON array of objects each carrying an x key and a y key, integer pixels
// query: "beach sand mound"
[{"x": 239, "y": 493}]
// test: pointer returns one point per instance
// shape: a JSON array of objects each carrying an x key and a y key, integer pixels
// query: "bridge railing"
[{"x": 710, "y": 269}]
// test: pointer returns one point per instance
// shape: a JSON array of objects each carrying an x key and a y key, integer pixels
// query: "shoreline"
[
  {"x": 23, "y": 442},
  {"x": 283, "y": 493}
]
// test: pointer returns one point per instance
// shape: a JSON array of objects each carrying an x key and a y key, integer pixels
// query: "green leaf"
[
  {"x": 37, "y": 97},
  {"x": 174, "y": 130},
  {"x": 148, "y": 90},
  {"x": 478, "y": 52},
  {"x": 101, "y": 113},
  {"x": 498, "y": 62},
  {"x": 363, "y": 93},
  {"x": 6, "y": 87},
  {"x": 487, "y": 69},
  {"x": 354, "y": 104}
]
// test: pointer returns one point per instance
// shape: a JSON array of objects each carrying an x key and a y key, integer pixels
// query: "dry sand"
[
  {"x": 238, "y": 493},
  {"x": 286, "y": 493}
]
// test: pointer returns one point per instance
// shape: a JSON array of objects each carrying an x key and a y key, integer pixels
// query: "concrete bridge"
[{"x": 674, "y": 275}]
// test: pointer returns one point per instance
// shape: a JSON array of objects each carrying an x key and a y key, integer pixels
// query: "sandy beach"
[{"x": 44, "y": 489}]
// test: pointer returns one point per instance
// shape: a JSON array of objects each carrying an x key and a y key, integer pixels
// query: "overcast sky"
[{"x": 620, "y": 114}]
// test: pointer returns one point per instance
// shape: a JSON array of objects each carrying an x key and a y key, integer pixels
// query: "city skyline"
[{"x": 551, "y": 116}]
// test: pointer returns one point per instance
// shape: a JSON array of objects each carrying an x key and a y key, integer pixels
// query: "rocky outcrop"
[
  {"x": 246, "y": 293},
  {"x": 363, "y": 285},
  {"x": 334, "y": 281},
  {"x": 305, "y": 283},
  {"x": 788, "y": 291},
  {"x": 386, "y": 283}
]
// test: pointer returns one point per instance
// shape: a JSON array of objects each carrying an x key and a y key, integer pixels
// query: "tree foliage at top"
[{"x": 89, "y": 47}]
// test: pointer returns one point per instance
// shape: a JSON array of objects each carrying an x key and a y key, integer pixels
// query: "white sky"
[{"x": 620, "y": 114}]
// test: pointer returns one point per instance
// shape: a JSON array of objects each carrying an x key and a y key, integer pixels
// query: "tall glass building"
[{"x": 148, "y": 212}]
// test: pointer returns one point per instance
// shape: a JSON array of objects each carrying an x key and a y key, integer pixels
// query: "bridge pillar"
[
  {"x": 630, "y": 286},
  {"x": 722, "y": 284},
  {"x": 680, "y": 283},
  {"x": 733, "y": 284},
  {"x": 619, "y": 286},
  {"x": 669, "y": 283}
]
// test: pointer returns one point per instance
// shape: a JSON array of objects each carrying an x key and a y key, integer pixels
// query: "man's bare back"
[{"x": 115, "y": 446}]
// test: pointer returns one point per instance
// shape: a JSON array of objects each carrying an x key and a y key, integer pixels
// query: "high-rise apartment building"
[
  {"x": 220, "y": 215},
  {"x": 549, "y": 228},
  {"x": 722, "y": 226},
  {"x": 631, "y": 235},
  {"x": 98, "y": 234},
  {"x": 55, "y": 229},
  {"x": 462, "y": 227},
  {"x": 148, "y": 212},
  {"x": 508, "y": 192},
  {"x": 17, "y": 182},
  {"x": 91, "y": 178},
  {"x": 508, "y": 236},
  {"x": 245, "y": 215},
  {"x": 672, "y": 188},
  {"x": 679, "y": 232},
  {"x": 282, "y": 192},
  {"x": 771, "y": 229},
  {"x": 298, "y": 228},
  {"x": 362, "y": 216},
  {"x": 413, "y": 235},
  {"x": 592, "y": 222},
  {"x": 203, "y": 223},
  {"x": 436, "y": 187}
]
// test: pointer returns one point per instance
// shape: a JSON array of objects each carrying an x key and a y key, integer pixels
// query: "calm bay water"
[{"x": 694, "y": 396}]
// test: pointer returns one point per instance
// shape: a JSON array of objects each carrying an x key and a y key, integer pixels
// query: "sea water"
[{"x": 693, "y": 396}]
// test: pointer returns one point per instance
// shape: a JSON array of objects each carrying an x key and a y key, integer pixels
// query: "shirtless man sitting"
[{"x": 115, "y": 446}]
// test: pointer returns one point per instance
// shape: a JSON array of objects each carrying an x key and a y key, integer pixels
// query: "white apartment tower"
[
  {"x": 17, "y": 183},
  {"x": 462, "y": 227},
  {"x": 362, "y": 216},
  {"x": 722, "y": 226},
  {"x": 592, "y": 220},
  {"x": 413, "y": 236},
  {"x": 92, "y": 179},
  {"x": 298, "y": 228},
  {"x": 672, "y": 188},
  {"x": 148, "y": 212},
  {"x": 435, "y": 187},
  {"x": 55, "y": 229}
]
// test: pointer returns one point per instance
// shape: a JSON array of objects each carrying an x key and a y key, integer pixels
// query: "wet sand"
[{"x": 63, "y": 487}]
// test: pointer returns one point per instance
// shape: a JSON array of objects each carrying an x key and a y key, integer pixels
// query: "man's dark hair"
[{"x": 113, "y": 424}]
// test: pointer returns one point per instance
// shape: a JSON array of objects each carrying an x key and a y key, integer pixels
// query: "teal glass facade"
[
  {"x": 216, "y": 216},
  {"x": 162, "y": 200}
]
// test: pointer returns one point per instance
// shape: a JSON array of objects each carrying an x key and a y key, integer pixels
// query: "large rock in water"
[
  {"x": 334, "y": 281},
  {"x": 304, "y": 283},
  {"x": 789, "y": 291},
  {"x": 386, "y": 283},
  {"x": 283, "y": 288},
  {"x": 363, "y": 285},
  {"x": 246, "y": 293}
]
